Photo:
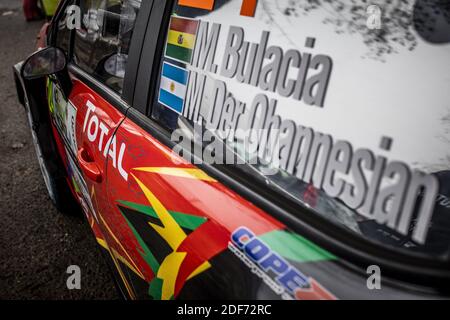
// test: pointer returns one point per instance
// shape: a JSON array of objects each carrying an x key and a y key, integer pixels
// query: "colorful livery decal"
[
  {"x": 178, "y": 246},
  {"x": 295, "y": 247},
  {"x": 164, "y": 237},
  {"x": 64, "y": 114},
  {"x": 288, "y": 281}
]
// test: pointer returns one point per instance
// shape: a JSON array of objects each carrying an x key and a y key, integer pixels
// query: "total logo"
[
  {"x": 294, "y": 282},
  {"x": 97, "y": 132}
]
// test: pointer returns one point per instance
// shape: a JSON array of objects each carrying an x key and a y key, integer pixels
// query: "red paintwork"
[
  {"x": 225, "y": 210},
  {"x": 89, "y": 167},
  {"x": 107, "y": 114}
]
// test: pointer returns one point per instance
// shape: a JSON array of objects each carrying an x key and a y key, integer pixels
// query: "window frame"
[
  {"x": 53, "y": 30},
  {"x": 411, "y": 267}
]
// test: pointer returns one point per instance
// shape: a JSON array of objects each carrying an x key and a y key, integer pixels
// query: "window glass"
[
  {"x": 103, "y": 40},
  {"x": 63, "y": 32},
  {"x": 341, "y": 106}
]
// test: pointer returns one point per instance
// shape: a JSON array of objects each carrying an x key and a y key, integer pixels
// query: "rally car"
[{"x": 243, "y": 149}]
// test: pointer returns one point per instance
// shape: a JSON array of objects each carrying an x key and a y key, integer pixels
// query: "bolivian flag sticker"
[
  {"x": 181, "y": 39},
  {"x": 172, "y": 89}
]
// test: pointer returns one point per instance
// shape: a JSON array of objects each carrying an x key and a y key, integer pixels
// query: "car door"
[
  {"x": 105, "y": 49},
  {"x": 64, "y": 113},
  {"x": 88, "y": 108}
]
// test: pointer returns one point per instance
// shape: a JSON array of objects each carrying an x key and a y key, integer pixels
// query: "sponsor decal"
[
  {"x": 173, "y": 84},
  {"x": 170, "y": 241},
  {"x": 294, "y": 247},
  {"x": 58, "y": 107},
  {"x": 51, "y": 104},
  {"x": 97, "y": 131},
  {"x": 283, "y": 278},
  {"x": 70, "y": 126},
  {"x": 178, "y": 246},
  {"x": 181, "y": 39},
  {"x": 80, "y": 186},
  {"x": 64, "y": 114}
]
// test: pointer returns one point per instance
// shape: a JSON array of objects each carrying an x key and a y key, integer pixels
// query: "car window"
[
  {"x": 343, "y": 107},
  {"x": 62, "y": 29},
  {"x": 102, "y": 42}
]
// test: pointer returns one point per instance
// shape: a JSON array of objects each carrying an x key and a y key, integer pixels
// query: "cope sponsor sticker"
[{"x": 281, "y": 276}]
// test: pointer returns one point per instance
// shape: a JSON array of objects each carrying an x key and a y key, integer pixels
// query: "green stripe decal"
[
  {"x": 294, "y": 247},
  {"x": 50, "y": 96},
  {"x": 186, "y": 221},
  {"x": 179, "y": 53},
  {"x": 155, "y": 288},
  {"x": 146, "y": 254},
  {"x": 75, "y": 185}
]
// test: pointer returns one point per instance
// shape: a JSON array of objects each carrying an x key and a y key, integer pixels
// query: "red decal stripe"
[{"x": 201, "y": 246}]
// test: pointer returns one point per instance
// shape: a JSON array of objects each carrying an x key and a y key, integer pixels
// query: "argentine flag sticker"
[{"x": 173, "y": 86}]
